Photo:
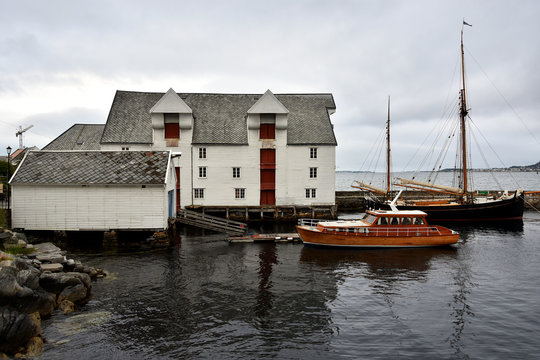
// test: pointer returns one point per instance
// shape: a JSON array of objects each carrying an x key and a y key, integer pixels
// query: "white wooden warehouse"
[
  {"x": 256, "y": 151},
  {"x": 94, "y": 191}
]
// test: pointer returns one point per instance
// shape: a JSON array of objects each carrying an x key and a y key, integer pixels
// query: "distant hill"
[{"x": 534, "y": 167}]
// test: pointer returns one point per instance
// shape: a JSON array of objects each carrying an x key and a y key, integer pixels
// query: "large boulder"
[
  {"x": 57, "y": 282},
  {"x": 75, "y": 294},
  {"x": 29, "y": 278},
  {"x": 16, "y": 329},
  {"x": 9, "y": 286},
  {"x": 36, "y": 301}
]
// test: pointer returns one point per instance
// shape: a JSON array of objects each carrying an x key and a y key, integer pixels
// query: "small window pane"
[
  {"x": 202, "y": 153},
  {"x": 198, "y": 193},
  {"x": 239, "y": 193},
  {"x": 202, "y": 171}
]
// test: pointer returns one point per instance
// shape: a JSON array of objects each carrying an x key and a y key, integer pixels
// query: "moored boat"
[
  {"x": 378, "y": 228},
  {"x": 463, "y": 204}
]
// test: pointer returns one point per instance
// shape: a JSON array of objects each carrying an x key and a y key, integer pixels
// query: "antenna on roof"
[{"x": 19, "y": 134}]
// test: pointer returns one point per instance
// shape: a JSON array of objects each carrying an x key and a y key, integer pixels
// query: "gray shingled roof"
[
  {"x": 93, "y": 167},
  {"x": 220, "y": 118},
  {"x": 78, "y": 137}
]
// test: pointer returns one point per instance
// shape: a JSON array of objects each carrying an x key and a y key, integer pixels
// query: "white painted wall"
[
  {"x": 293, "y": 178},
  {"x": 52, "y": 207},
  {"x": 292, "y": 168},
  {"x": 219, "y": 184}
]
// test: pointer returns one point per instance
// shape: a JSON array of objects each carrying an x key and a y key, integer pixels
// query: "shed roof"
[
  {"x": 78, "y": 137},
  {"x": 220, "y": 118},
  {"x": 93, "y": 167}
]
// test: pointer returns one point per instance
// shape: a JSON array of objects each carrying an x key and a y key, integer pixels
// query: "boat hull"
[
  {"x": 497, "y": 210},
  {"x": 313, "y": 237}
]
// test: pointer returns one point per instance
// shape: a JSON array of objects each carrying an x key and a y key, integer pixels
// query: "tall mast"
[
  {"x": 463, "y": 114},
  {"x": 388, "y": 153}
]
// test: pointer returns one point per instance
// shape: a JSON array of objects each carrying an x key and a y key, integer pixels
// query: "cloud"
[{"x": 62, "y": 61}]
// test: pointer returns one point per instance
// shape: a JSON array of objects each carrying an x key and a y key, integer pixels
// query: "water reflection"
[
  {"x": 382, "y": 264},
  {"x": 461, "y": 309},
  {"x": 267, "y": 258}
]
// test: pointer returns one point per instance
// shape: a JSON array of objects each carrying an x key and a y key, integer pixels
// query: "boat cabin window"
[
  {"x": 382, "y": 221},
  {"x": 369, "y": 218},
  {"x": 394, "y": 221},
  {"x": 406, "y": 221},
  {"x": 418, "y": 221}
]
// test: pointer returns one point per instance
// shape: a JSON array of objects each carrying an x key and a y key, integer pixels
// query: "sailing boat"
[{"x": 464, "y": 205}]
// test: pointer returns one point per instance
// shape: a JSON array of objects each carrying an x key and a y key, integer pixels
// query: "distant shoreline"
[{"x": 511, "y": 169}]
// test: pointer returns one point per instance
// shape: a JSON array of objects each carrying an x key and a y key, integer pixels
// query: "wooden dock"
[
  {"x": 209, "y": 222},
  {"x": 289, "y": 237}
]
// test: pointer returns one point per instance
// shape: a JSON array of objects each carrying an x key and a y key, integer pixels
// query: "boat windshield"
[{"x": 369, "y": 218}]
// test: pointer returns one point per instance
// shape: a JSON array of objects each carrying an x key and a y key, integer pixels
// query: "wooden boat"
[
  {"x": 378, "y": 228},
  {"x": 461, "y": 204}
]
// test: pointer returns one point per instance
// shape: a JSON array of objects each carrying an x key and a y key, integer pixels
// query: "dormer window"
[
  {"x": 268, "y": 126},
  {"x": 172, "y": 126}
]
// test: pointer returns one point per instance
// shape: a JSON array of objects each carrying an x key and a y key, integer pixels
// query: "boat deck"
[{"x": 287, "y": 237}]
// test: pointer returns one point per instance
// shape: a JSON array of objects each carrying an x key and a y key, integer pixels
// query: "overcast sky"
[{"x": 62, "y": 61}]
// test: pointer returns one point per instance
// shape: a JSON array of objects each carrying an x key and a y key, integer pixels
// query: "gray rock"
[
  {"x": 16, "y": 329},
  {"x": 47, "y": 248},
  {"x": 38, "y": 300},
  {"x": 56, "y": 282},
  {"x": 54, "y": 267},
  {"x": 29, "y": 278},
  {"x": 20, "y": 236},
  {"x": 74, "y": 294},
  {"x": 22, "y": 264},
  {"x": 79, "y": 267},
  {"x": 9, "y": 286},
  {"x": 5, "y": 235},
  {"x": 6, "y": 263},
  {"x": 50, "y": 258}
]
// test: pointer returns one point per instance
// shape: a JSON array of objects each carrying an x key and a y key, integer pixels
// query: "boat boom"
[
  {"x": 368, "y": 187},
  {"x": 440, "y": 187}
]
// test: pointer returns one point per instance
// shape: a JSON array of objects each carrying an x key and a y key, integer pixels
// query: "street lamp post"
[{"x": 8, "y": 187}]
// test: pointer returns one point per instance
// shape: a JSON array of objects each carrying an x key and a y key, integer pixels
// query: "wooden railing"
[
  {"x": 209, "y": 222},
  {"x": 377, "y": 230}
]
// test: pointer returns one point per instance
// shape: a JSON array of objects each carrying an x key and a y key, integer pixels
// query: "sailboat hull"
[{"x": 495, "y": 210}]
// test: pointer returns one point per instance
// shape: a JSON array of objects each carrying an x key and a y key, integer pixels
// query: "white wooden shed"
[{"x": 93, "y": 191}]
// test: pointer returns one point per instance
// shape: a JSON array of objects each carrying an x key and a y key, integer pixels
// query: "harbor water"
[{"x": 204, "y": 298}]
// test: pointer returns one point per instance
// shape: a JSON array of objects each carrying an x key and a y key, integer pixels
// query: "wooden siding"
[{"x": 89, "y": 208}]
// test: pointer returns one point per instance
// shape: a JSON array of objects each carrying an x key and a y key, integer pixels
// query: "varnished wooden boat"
[{"x": 378, "y": 228}]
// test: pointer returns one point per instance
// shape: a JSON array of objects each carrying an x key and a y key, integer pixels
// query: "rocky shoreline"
[{"x": 32, "y": 285}]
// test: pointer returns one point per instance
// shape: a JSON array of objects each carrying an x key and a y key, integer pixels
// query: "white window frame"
[
  {"x": 198, "y": 193},
  {"x": 312, "y": 172},
  {"x": 202, "y": 172},
  {"x": 313, "y": 153},
  {"x": 239, "y": 193},
  {"x": 202, "y": 153},
  {"x": 311, "y": 193},
  {"x": 236, "y": 173}
]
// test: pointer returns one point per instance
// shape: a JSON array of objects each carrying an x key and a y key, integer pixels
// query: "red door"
[
  {"x": 268, "y": 197},
  {"x": 177, "y": 170},
  {"x": 268, "y": 176}
]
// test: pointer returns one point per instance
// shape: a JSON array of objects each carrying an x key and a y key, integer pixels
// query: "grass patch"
[{"x": 19, "y": 250}]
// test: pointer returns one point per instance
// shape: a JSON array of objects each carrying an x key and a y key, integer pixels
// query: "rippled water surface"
[{"x": 205, "y": 298}]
